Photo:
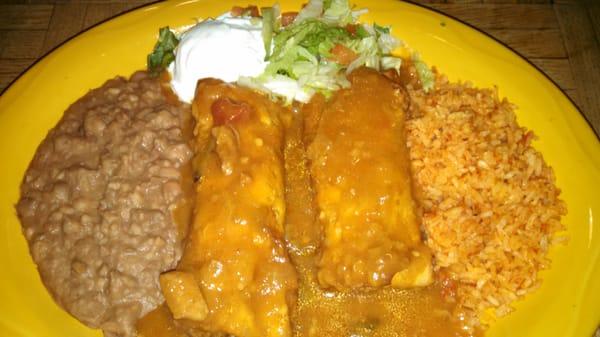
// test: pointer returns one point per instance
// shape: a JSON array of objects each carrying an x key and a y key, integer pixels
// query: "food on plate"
[
  {"x": 299, "y": 54},
  {"x": 225, "y": 48},
  {"x": 360, "y": 167},
  {"x": 325, "y": 186},
  {"x": 490, "y": 203},
  {"x": 235, "y": 275},
  {"x": 386, "y": 310},
  {"x": 101, "y": 198},
  {"x": 368, "y": 311}
]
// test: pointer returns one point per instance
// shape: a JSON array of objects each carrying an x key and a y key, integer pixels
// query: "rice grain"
[{"x": 490, "y": 202}]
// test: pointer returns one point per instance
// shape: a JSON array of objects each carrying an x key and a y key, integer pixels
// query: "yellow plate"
[{"x": 567, "y": 304}]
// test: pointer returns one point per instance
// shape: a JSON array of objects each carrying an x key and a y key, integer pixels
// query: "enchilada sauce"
[
  {"x": 321, "y": 311},
  {"x": 369, "y": 311}
]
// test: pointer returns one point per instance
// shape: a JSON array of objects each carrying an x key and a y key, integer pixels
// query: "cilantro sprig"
[{"x": 164, "y": 51}]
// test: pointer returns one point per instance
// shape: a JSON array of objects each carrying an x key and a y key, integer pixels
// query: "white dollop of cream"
[{"x": 225, "y": 48}]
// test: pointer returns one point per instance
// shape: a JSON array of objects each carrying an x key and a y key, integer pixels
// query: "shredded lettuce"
[
  {"x": 381, "y": 29},
  {"x": 313, "y": 9},
  {"x": 276, "y": 16},
  {"x": 387, "y": 43},
  {"x": 314, "y": 35},
  {"x": 322, "y": 40},
  {"x": 361, "y": 31},
  {"x": 390, "y": 62},
  {"x": 314, "y": 53},
  {"x": 425, "y": 74},
  {"x": 338, "y": 13},
  {"x": 303, "y": 58},
  {"x": 368, "y": 54},
  {"x": 268, "y": 24}
]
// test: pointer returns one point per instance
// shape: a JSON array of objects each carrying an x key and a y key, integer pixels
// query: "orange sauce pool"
[{"x": 382, "y": 312}]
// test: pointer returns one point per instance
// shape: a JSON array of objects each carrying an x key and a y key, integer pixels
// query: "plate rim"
[{"x": 15, "y": 83}]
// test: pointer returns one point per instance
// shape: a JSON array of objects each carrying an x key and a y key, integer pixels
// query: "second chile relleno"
[{"x": 361, "y": 174}]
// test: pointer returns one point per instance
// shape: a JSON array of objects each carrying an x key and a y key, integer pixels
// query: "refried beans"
[{"x": 98, "y": 202}]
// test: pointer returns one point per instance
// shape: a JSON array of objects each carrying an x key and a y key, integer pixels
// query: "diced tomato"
[
  {"x": 342, "y": 54},
  {"x": 236, "y": 11},
  {"x": 227, "y": 111},
  {"x": 448, "y": 285},
  {"x": 351, "y": 29},
  {"x": 253, "y": 11},
  {"x": 288, "y": 17},
  {"x": 245, "y": 11}
]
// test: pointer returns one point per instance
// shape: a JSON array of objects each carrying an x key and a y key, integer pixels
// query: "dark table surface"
[{"x": 560, "y": 37}]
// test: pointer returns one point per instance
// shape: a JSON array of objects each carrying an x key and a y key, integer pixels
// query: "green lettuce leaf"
[
  {"x": 425, "y": 74},
  {"x": 313, "y": 9},
  {"x": 300, "y": 63},
  {"x": 308, "y": 40},
  {"x": 339, "y": 13},
  {"x": 164, "y": 51},
  {"x": 268, "y": 24}
]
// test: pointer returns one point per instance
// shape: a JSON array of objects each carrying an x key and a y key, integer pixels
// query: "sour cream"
[{"x": 225, "y": 48}]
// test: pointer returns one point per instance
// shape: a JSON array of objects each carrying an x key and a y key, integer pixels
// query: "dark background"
[{"x": 560, "y": 37}]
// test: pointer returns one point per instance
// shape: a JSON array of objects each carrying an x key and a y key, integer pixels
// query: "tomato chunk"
[
  {"x": 228, "y": 111},
  {"x": 350, "y": 28},
  {"x": 245, "y": 11},
  {"x": 288, "y": 17},
  {"x": 342, "y": 54}
]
